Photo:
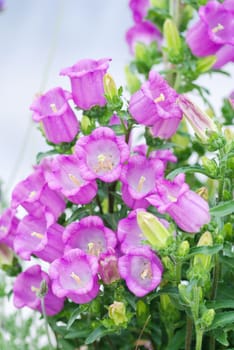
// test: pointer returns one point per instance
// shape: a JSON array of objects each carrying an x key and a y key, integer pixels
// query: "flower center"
[
  {"x": 95, "y": 248},
  {"x": 3, "y": 228},
  {"x": 104, "y": 163},
  {"x": 32, "y": 194},
  {"x": 35, "y": 289},
  {"x": 171, "y": 198},
  {"x": 140, "y": 183},
  {"x": 37, "y": 235},
  {"x": 217, "y": 28},
  {"x": 74, "y": 179},
  {"x": 75, "y": 277},
  {"x": 160, "y": 98},
  {"x": 53, "y": 107},
  {"x": 146, "y": 273}
]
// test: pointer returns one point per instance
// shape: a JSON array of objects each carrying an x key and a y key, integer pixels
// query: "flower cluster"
[{"x": 83, "y": 254}]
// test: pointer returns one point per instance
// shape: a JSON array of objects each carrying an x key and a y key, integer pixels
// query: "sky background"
[{"x": 38, "y": 39}]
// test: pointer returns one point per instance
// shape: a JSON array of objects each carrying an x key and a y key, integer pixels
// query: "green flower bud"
[
  {"x": 6, "y": 255},
  {"x": 207, "y": 318},
  {"x": 203, "y": 192},
  {"x": 169, "y": 312},
  {"x": 141, "y": 52},
  {"x": 184, "y": 293},
  {"x": 204, "y": 261},
  {"x": 42, "y": 290},
  {"x": 133, "y": 83},
  {"x": 85, "y": 124},
  {"x": 173, "y": 41},
  {"x": 155, "y": 232},
  {"x": 183, "y": 249},
  {"x": 162, "y": 4},
  {"x": 210, "y": 165},
  {"x": 117, "y": 312},
  {"x": 205, "y": 64},
  {"x": 142, "y": 312},
  {"x": 109, "y": 86}
]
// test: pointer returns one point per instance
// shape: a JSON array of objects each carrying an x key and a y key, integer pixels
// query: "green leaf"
[
  {"x": 222, "y": 319},
  {"x": 80, "y": 309},
  {"x": 189, "y": 169},
  {"x": 77, "y": 334},
  {"x": 221, "y": 304},
  {"x": 222, "y": 337},
  {"x": 42, "y": 155},
  {"x": 206, "y": 250},
  {"x": 97, "y": 334},
  {"x": 223, "y": 209},
  {"x": 177, "y": 341}
]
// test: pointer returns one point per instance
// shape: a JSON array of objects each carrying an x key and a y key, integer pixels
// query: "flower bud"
[
  {"x": 201, "y": 259},
  {"x": 183, "y": 249},
  {"x": 133, "y": 83},
  {"x": 172, "y": 37},
  {"x": 155, "y": 232},
  {"x": 207, "y": 318},
  {"x": 210, "y": 165},
  {"x": 117, "y": 312},
  {"x": 109, "y": 86},
  {"x": 141, "y": 53},
  {"x": 6, "y": 255},
  {"x": 43, "y": 289},
  {"x": 206, "y": 63},
  {"x": 203, "y": 192},
  {"x": 199, "y": 120},
  {"x": 162, "y": 4},
  {"x": 85, "y": 125}
]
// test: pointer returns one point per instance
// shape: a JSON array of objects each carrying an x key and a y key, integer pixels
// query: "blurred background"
[{"x": 38, "y": 39}]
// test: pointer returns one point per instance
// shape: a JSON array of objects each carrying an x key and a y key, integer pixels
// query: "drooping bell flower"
[
  {"x": 87, "y": 82},
  {"x": 199, "y": 120},
  {"x": 27, "y": 288},
  {"x": 75, "y": 276},
  {"x": 139, "y": 9},
  {"x": 35, "y": 196},
  {"x": 139, "y": 176},
  {"x": 155, "y": 105},
  {"x": 63, "y": 175},
  {"x": 141, "y": 269},
  {"x": 101, "y": 155},
  {"x": 8, "y": 227},
  {"x": 108, "y": 267},
  {"x": 35, "y": 238},
  {"x": 187, "y": 208},
  {"x": 53, "y": 111},
  {"x": 144, "y": 32},
  {"x": 89, "y": 235},
  {"x": 164, "y": 155}
]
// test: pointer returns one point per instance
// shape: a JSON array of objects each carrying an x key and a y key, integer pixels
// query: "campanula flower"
[
  {"x": 87, "y": 82},
  {"x": 139, "y": 9},
  {"x": 108, "y": 267},
  {"x": 75, "y": 276},
  {"x": 141, "y": 269},
  {"x": 8, "y": 227},
  {"x": 26, "y": 291},
  {"x": 58, "y": 120},
  {"x": 101, "y": 155}
]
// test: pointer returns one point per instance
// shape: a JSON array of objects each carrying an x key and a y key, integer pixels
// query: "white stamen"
[
  {"x": 160, "y": 98},
  {"x": 218, "y": 28},
  {"x": 53, "y": 107},
  {"x": 74, "y": 179},
  {"x": 75, "y": 277},
  {"x": 37, "y": 235},
  {"x": 140, "y": 183}
]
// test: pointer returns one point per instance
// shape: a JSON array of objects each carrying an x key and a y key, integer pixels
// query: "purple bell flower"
[
  {"x": 139, "y": 176},
  {"x": 63, "y": 175},
  {"x": 187, "y": 208},
  {"x": 155, "y": 105},
  {"x": 89, "y": 235},
  {"x": 34, "y": 237},
  {"x": 142, "y": 270},
  {"x": 75, "y": 276},
  {"x": 139, "y": 9},
  {"x": 108, "y": 267},
  {"x": 26, "y": 289},
  {"x": 87, "y": 82},
  {"x": 34, "y": 195},
  {"x": 59, "y": 121},
  {"x": 101, "y": 155},
  {"x": 8, "y": 227},
  {"x": 224, "y": 55},
  {"x": 144, "y": 32}
]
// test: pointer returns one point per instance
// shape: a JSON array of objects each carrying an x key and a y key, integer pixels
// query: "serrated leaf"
[
  {"x": 223, "y": 209},
  {"x": 97, "y": 334},
  {"x": 222, "y": 319},
  {"x": 189, "y": 169}
]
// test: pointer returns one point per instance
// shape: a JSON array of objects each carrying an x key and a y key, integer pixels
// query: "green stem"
[
  {"x": 111, "y": 198},
  {"x": 215, "y": 278},
  {"x": 189, "y": 333},
  {"x": 199, "y": 336},
  {"x": 46, "y": 322}
]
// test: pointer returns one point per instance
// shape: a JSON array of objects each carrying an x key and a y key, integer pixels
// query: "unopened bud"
[
  {"x": 172, "y": 37},
  {"x": 207, "y": 318},
  {"x": 109, "y": 86},
  {"x": 183, "y": 249},
  {"x": 206, "y": 63},
  {"x": 117, "y": 312},
  {"x": 204, "y": 260},
  {"x": 85, "y": 124},
  {"x": 155, "y": 232},
  {"x": 210, "y": 165},
  {"x": 43, "y": 289},
  {"x": 133, "y": 83},
  {"x": 141, "y": 52},
  {"x": 6, "y": 255},
  {"x": 203, "y": 192},
  {"x": 162, "y": 4},
  {"x": 199, "y": 120}
]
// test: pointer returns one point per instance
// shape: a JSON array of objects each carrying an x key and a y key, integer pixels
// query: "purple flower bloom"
[
  {"x": 138, "y": 177},
  {"x": 34, "y": 237},
  {"x": 155, "y": 105},
  {"x": 89, "y": 235},
  {"x": 165, "y": 155},
  {"x": 87, "y": 82},
  {"x": 144, "y": 32},
  {"x": 59, "y": 121},
  {"x": 141, "y": 269},
  {"x": 8, "y": 227},
  {"x": 224, "y": 55},
  {"x": 62, "y": 174},
  {"x": 139, "y": 9},
  {"x": 101, "y": 155},
  {"x": 26, "y": 288},
  {"x": 187, "y": 208},
  {"x": 108, "y": 267},
  {"x": 75, "y": 276},
  {"x": 2, "y": 5},
  {"x": 35, "y": 196}
]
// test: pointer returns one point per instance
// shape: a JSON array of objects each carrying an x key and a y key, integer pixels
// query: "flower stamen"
[
  {"x": 75, "y": 277},
  {"x": 53, "y": 107},
  {"x": 160, "y": 98},
  {"x": 74, "y": 179},
  {"x": 37, "y": 235},
  {"x": 146, "y": 273},
  {"x": 32, "y": 194},
  {"x": 217, "y": 28},
  {"x": 140, "y": 183},
  {"x": 94, "y": 248},
  {"x": 3, "y": 228}
]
